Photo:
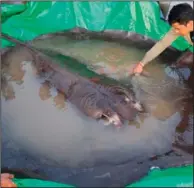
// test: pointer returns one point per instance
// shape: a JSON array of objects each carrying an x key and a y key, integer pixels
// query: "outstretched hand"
[
  {"x": 6, "y": 180},
  {"x": 138, "y": 69}
]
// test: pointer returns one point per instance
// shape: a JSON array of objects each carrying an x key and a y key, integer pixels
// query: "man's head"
[{"x": 181, "y": 18}]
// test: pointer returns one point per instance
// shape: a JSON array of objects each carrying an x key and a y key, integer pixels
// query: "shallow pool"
[{"x": 38, "y": 119}]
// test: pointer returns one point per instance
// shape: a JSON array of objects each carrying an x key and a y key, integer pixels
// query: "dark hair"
[{"x": 181, "y": 13}]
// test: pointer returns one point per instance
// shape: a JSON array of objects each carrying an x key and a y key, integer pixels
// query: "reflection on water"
[{"x": 41, "y": 121}]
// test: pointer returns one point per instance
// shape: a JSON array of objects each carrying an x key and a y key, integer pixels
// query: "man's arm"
[{"x": 160, "y": 46}]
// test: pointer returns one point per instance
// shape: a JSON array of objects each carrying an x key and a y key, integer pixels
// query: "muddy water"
[
  {"x": 163, "y": 89},
  {"x": 42, "y": 123}
]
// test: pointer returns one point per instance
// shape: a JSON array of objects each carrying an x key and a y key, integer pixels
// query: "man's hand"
[
  {"x": 138, "y": 68},
  {"x": 6, "y": 180}
]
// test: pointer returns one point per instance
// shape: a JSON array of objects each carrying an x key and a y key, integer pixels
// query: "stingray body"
[{"x": 114, "y": 104}]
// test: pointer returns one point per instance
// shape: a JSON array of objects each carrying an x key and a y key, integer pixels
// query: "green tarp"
[
  {"x": 35, "y": 18},
  {"x": 172, "y": 177},
  {"x": 38, "y": 183}
]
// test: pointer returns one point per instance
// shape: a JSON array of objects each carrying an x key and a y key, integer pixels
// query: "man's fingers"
[
  {"x": 7, "y": 183},
  {"x": 6, "y": 180},
  {"x": 7, "y": 175}
]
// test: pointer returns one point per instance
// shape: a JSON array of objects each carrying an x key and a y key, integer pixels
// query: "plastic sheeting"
[
  {"x": 48, "y": 17},
  {"x": 38, "y": 183},
  {"x": 10, "y": 10},
  {"x": 172, "y": 177}
]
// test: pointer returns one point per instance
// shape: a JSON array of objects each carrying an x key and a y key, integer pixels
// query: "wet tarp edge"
[
  {"x": 38, "y": 183},
  {"x": 171, "y": 177},
  {"x": 38, "y": 18}
]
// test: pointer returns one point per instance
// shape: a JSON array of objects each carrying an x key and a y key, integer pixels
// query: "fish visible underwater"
[
  {"x": 43, "y": 132},
  {"x": 163, "y": 89},
  {"x": 114, "y": 104}
]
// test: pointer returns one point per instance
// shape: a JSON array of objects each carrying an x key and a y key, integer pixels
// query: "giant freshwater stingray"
[
  {"x": 114, "y": 104},
  {"x": 110, "y": 158}
]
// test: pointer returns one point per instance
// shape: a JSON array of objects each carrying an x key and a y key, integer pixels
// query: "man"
[{"x": 181, "y": 19}]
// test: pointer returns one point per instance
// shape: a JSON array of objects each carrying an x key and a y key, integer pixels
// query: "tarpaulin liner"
[
  {"x": 48, "y": 17},
  {"x": 10, "y": 10},
  {"x": 38, "y": 183},
  {"x": 172, "y": 177}
]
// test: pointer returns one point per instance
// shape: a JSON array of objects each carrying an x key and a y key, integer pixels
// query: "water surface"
[{"x": 41, "y": 122}]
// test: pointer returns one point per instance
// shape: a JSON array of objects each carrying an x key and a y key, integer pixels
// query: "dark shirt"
[{"x": 192, "y": 36}]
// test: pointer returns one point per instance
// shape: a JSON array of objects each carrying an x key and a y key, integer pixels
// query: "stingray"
[
  {"x": 114, "y": 104},
  {"x": 122, "y": 161}
]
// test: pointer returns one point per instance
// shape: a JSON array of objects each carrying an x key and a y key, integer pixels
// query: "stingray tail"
[{"x": 16, "y": 41}]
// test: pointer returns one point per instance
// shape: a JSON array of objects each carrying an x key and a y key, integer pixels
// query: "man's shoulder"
[
  {"x": 172, "y": 32},
  {"x": 169, "y": 37}
]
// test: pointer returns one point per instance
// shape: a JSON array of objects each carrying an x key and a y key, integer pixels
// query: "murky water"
[
  {"x": 39, "y": 120},
  {"x": 163, "y": 88}
]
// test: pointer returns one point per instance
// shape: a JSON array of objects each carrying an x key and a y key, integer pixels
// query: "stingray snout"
[
  {"x": 138, "y": 106},
  {"x": 112, "y": 118}
]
